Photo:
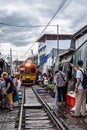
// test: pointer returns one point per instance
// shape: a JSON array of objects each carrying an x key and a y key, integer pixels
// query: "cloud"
[
  {"x": 25, "y": 13},
  {"x": 38, "y": 12}
]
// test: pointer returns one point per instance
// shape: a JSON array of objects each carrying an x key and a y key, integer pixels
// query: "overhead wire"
[
  {"x": 59, "y": 10},
  {"x": 23, "y": 26}
]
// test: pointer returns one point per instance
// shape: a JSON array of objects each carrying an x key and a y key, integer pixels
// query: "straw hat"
[{"x": 4, "y": 74}]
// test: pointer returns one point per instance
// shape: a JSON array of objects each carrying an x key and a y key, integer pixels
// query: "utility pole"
[
  {"x": 11, "y": 59},
  {"x": 57, "y": 40},
  {"x": 32, "y": 56}
]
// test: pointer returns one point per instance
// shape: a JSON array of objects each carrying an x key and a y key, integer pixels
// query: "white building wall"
[
  {"x": 44, "y": 68},
  {"x": 47, "y": 65},
  {"x": 42, "y": 45},
  {"x": 53, "y": 44},
  {"x": 49, "y": 61},
  {"x": 80, "y": 41},
  {"x": 63, "y": 44},
  {"x": 50, "y": 44}
]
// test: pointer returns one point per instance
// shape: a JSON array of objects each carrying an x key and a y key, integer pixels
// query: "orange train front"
[{"x": 28, "y": 73}]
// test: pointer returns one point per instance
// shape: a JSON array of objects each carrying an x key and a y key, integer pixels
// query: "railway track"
[
  {"x": 9, "y": 120},
  {"x": 62, "y": 112},
  {"x": 36, "y": 115},
  {"x": 37, "y": 112}
]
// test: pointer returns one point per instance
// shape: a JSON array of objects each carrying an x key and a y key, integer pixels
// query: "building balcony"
[{"x": 41, "y": 45}]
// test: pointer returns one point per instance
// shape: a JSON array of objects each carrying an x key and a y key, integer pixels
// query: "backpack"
[{"x": 84, "y": 82}]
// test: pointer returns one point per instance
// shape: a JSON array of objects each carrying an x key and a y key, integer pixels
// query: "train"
[{"x": 27, "y": 72}]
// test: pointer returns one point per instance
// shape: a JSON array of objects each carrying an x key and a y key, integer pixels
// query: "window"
[
  {"x": 22, "y": 70},
  {"x": 33, "y": 70}
]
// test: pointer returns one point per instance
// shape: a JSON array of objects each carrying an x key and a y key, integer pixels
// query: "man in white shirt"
[{"x": 80, "y": 93}]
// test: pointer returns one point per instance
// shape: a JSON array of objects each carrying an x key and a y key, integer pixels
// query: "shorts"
[{"x": 9, "y": 97}]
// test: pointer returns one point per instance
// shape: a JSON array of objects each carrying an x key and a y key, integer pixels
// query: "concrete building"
[
  {"x": 49, "y": 41},
  {"x": 51, "y": 58}
]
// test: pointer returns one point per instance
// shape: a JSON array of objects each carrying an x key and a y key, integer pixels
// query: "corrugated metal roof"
[{"x": 45, "y": 37}]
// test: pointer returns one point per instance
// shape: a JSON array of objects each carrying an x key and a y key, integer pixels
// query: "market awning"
[{"x": 66, "y": 59}]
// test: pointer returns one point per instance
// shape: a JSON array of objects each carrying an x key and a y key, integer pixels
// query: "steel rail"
[
  {"x": 58, "y": 124},
  {"x": 21, "y": 112}
]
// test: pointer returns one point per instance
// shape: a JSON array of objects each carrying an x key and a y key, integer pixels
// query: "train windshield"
[
  {"x": 33, "y": 70},
  {"x": 22, "y": 70}
]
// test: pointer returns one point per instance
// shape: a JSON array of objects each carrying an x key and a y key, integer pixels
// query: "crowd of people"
[
  {"x": 9, "y": 87},
  {"x": 45, "y": 79},
  {"x": 61, "y": 83},
  {"x": 59, "y": 79}
]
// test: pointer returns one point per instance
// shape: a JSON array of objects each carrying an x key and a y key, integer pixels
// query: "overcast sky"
[{"x": 71, "y": 17}]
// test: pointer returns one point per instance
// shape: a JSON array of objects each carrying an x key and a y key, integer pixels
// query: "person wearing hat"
[
  {"x": 80, "y": 93},
  {"x": 17, "y": 84},
  {"x": 16, "y": 75}
]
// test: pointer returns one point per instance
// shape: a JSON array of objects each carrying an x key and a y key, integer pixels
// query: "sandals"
[{"x": 75, "y": 116}]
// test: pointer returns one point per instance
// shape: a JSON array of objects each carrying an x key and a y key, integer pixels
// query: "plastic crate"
[
  {"x": 70, "y": 100},
  {"x": 67, "y": 99}
]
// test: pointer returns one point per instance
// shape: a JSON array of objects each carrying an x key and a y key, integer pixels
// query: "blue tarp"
[{"x": 43, "y": 60}]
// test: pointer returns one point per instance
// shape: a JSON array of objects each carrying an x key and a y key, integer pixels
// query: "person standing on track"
[
  {"x": 17, "y": 84},
  {"x": 9, "y": 89},
  {"x": 55, "y": 89},
  {"x": 80, "y": 93},
  {"x": 61, "y": 79}
]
